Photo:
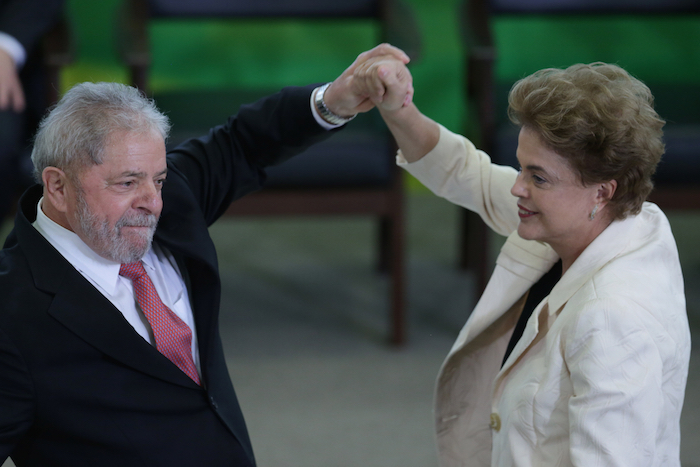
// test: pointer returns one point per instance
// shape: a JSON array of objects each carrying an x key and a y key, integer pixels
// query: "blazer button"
[
  {"x": 495, "y": 422},
  {"x": 213, "y": 403}
]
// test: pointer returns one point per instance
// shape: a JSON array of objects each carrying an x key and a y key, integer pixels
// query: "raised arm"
[{"x": 454, "y": 168}]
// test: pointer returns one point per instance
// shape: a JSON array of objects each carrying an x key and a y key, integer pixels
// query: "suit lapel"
[
  {"x": 520, "y": 264},
  {"x": 610, "y": 243},
  {"x": 529, "y": 334},
  {"x": 89, "y": 315}
]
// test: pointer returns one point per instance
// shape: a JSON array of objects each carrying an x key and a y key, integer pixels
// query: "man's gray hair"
[{"x": 75, "y": 133}]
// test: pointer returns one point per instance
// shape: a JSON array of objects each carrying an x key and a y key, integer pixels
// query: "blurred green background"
[{"x": 277, "y": 53}]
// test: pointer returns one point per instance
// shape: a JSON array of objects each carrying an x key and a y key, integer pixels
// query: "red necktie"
[{"x": 173, "y": 336}]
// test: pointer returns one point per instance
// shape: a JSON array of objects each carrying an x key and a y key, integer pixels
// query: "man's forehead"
[
  {"x": 123, "y": 144},
  {"x": 122, "y": 135},
  {"x": 132, "y": 152}
]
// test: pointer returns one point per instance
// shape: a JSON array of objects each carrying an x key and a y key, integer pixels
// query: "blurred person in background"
[{"x": 23, "y": 23}]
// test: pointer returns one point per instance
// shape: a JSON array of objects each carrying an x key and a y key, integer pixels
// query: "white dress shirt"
[{"x": 104, "y": 275}]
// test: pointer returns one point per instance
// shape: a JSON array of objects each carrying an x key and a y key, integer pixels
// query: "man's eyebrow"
[
  {"x": 141, "y": 174},
  {"x": 132, "y": 174}
]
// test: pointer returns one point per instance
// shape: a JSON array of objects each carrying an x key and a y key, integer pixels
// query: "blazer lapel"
[
  {"x": 529, "y": 334},
  {"x": 520, "y": 264},
  {"x": 93, "y": 318},
  {"x": 610, "y": 243}
]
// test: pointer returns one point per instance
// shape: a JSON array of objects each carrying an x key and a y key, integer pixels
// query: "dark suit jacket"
[{"x": 78, "y": 386}]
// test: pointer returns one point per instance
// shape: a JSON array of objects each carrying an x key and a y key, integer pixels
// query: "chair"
[
  {"x": 352, "y": 173},
  {"x": 678, "y": 173}
]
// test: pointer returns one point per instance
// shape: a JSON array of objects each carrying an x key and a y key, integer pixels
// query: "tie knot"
[{"x": 132, "y": 271}]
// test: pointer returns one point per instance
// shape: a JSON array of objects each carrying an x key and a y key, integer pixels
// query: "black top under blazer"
[{"x": 78, "y": 385}]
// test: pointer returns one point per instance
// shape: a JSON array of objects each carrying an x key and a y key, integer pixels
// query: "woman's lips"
[{"x": 525, "y": 213}]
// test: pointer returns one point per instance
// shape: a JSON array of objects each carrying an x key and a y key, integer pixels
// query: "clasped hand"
[{"x": 378, "y": 77}]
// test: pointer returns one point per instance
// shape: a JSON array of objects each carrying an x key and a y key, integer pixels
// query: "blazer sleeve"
[
  {"x": 457, "y": 171},
  {"x": 229, "y": 162},
  {"x": 28, "y": 20},
  {"x": 16, "y": 397}
]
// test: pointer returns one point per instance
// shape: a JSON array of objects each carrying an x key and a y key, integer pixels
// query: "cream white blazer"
[{"x": 598, "y": 377}]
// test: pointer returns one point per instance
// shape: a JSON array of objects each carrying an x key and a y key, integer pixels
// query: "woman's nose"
[{"x": 518, "y": 190}]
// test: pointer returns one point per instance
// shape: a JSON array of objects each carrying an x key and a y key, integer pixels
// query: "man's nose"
[{"x": 149, "y": 198}]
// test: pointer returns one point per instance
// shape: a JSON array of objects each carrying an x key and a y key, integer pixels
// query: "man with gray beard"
[{"x": 110, "y": 353}]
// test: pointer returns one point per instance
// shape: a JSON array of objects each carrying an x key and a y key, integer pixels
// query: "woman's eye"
[{"x": 538, "y": 180}]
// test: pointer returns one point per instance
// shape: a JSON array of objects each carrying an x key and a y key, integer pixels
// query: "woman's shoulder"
[{"x": 636, "y": 294}]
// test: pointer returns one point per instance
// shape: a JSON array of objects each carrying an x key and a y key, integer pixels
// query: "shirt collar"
[{"x": 612, "y": 242}]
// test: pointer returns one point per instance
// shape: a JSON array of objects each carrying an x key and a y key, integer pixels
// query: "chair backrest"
[
  {"x": 391, "y": 21},
  {"x": 593, "y": 6},
  {"x": 265, "y": 8}
]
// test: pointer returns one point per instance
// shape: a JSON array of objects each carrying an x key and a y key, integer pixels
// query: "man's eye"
[{"x": 538, "y": 180}]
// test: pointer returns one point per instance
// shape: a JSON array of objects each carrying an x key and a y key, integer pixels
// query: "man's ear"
[{"x": 55, "y": 188}]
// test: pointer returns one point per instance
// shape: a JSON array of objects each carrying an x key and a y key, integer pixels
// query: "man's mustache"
[{"x": 137, "y": 220}]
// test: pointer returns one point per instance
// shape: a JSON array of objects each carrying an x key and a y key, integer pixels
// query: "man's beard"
[{"x": 109, "y": 242}]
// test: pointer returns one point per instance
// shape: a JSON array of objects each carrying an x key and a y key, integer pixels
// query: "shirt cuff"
[
  {"x": 317, "y": 116},
  {"x": 12, "y": 46}
]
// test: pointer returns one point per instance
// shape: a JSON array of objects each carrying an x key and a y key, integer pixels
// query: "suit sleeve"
[
  {"x": 229, "y": 162},
  {"x": 16, "y": 397},
  {"x": 28, "y": 20},
  {"x": 458, "y": 172}
]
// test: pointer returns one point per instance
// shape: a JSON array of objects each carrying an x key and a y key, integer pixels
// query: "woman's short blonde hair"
[{"x": 601, "y": 120}]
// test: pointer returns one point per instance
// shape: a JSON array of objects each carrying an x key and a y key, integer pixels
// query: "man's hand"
[
  {"x": 11, "y": 93},
  {"x": 385, "y": 81},
  {"x": 345, "y": 97}
]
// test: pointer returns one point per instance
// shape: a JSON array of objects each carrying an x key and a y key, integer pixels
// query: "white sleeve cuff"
[{"x": 12, "y": 46}]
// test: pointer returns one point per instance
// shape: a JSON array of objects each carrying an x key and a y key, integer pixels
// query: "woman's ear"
[{"x": 606, "y": 191}]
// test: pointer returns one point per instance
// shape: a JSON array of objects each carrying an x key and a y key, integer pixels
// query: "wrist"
[{"x": 324, "y": 111}]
